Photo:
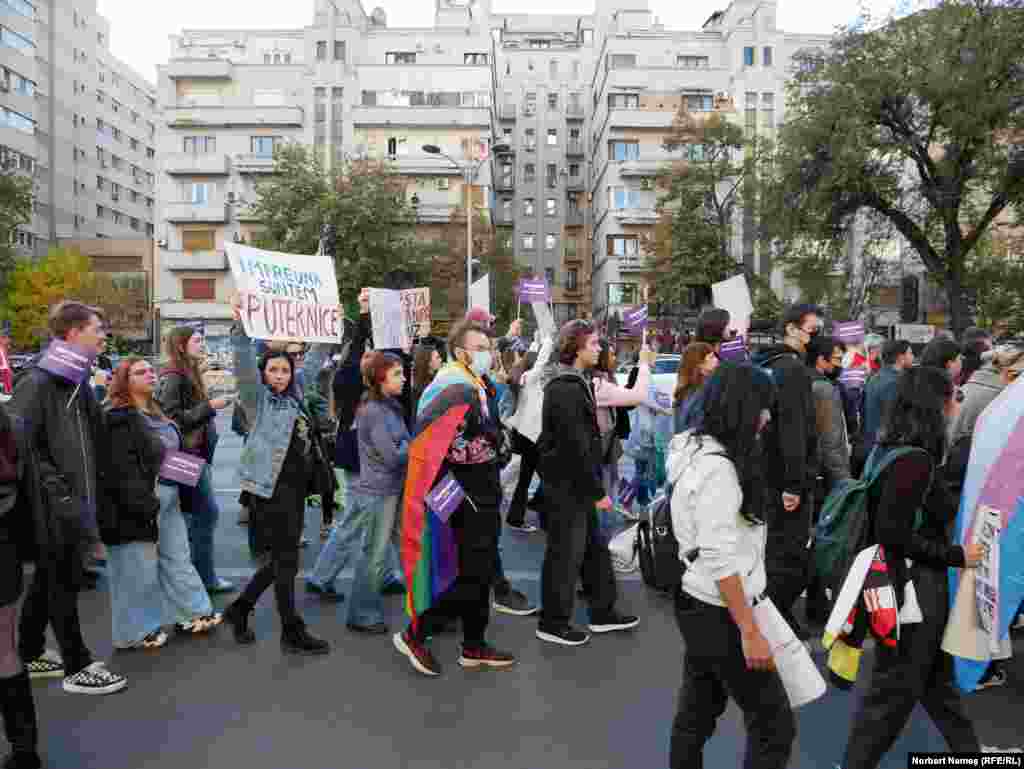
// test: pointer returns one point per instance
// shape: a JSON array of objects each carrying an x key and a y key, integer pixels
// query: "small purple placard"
[
  {"x": 533, "y": 290},
  {"x": 182, "y": 468},
  {"x": 851, "y": 332},
  {"x": 663, "y": 399},
  {"x": 635, "y": 319},
  {"x": 67, "y": 361},
  {"x": 734, "y": 349},
  {"x": 445, "y": 498}
]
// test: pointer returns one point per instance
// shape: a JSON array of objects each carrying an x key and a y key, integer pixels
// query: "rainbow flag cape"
[{"x": 428, "y": 552}]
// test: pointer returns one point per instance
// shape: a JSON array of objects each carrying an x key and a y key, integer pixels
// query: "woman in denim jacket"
[{"x": 279, "y": 468}]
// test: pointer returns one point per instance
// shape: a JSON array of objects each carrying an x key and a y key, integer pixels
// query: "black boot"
[
  {"x": 295, "y": 639},
  {"x": 19, "y": 716},
  {"x": 237, "y": 615}
]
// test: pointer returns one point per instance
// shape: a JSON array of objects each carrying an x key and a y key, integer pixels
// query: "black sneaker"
[
  {"x": 513, "y": 602},
  {"x": 94, "y": 679},
  {"x": 417, "y": 653},
  {"x": 567, "y": 636},
  {"x": 609, "y": 623},
  {"x": 295, "y": 639}
]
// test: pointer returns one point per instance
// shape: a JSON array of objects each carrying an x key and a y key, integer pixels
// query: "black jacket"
[
  {"x": 130, "y": 504},
  {"x": 66, "y": 431},
  {"x": 569, "y": 447},
  {"x": 192, "y": 415},
  {"x": 790, "y": 439}
]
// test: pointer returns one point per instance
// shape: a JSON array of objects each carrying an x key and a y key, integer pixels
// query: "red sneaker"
[
  {"x": 419, "y": 655},
  {"x": 486, "y": 656}
]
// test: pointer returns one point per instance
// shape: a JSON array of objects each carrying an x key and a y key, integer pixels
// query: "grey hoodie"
[{"x": 981, "y": 389}]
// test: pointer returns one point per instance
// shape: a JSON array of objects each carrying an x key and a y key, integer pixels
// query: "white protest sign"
[
  {"x": 480, "y": 293},
  {"x": 286, "y": 296},
  {"x": 733, "y": 295},
  {"x": 388, "y": 319},
  {"x": 545, "y": 320},
  {"x": 416, "y": 306}
]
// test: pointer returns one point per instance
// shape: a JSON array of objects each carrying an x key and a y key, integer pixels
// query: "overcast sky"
[{"x": 139, "y": 30}]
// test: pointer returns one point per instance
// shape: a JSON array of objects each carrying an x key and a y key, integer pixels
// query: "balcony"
[
  {"x": 529, "y": 110},
  {"x": 199, "y": 69},
  {"x": 502, "y": 218},
  {"x": 187, "y": 211},
  {"x": 646, "y": 215},
  {"x": 506, "y": 111},
  {"x": 574, "y": 147},
  {"x": 505, "y": 183},
  {"x": 529, "y": 146},
  {"x": 645, "y": 165},
  {"x": 212, "y": 164},
  {"x": 575, "y": 112},
  {"x": 432, "y": 213},
  {"x": 632, "y": 263},
  {"x": 188, "y": 117},
  {"x": 422, "y": 164},
  {"x": 195, "y": 261},
  {"x": 472, "y": 117},
  {"x": 574, "y": 218},
  {"x": 575, "y": 182},
  {"x": 640, "y": 118},
  {"x": 573, "y": 256},
  {"x": 251, "y": 163}
]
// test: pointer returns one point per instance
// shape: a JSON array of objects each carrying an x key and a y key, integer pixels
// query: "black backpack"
[{"x": 656, "y": 546}]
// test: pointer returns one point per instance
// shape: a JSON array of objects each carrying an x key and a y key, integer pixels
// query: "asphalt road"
[{"x": 207, "y": 703}]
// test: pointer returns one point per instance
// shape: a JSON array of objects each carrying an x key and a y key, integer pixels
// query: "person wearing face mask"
[
  {"x": 283, "y": 463},
  {"x": 790, "y": 443}
]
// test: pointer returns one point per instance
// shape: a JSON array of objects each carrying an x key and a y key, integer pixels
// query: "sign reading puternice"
[{"x": 286, "y": 296}]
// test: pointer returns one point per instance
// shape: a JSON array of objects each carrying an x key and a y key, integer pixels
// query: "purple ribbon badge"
[
  {"x": 851, "y": 332},
  {"x": 635, "y": 319},
  {"x": 534, "y": 290},
  {"x": 67, "y": 361},
  {"x": 182, "y": 468},
  {"x": 445, "y": 498},
  {"x": 734, "y": 349}
]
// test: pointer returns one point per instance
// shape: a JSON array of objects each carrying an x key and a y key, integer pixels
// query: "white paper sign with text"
[{"x": 286, "y": 296}]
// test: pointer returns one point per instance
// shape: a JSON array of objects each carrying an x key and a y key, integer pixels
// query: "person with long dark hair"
[
  {"x": 718, "y": 520},
  {"x": 426, "y": 362},
  {"x": 183, "y": 397},
  {"x": 281, "y": 465},
  {"x": 915, "y": 670},
  {"x": 699, "y": 362}
]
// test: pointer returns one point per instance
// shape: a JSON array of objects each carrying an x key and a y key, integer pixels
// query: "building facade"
[
  {"x": 582, "y": 103},
  {"x": 80, "y": 122}
]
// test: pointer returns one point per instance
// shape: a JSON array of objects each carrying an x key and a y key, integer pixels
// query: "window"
[
  {"x": 134, "y": 223},
  {"x": 552, "y": 137},
  {"x": 198, "y": 239},
  {"x": 506, "y": 210},
  {"x": 551, "y": 175},
  {"x": 530, "y": 105},
  {"x": 699, "y": 102},
  {"x": 621, "y": 150},
  {"x": 692, "y": 62},
  {"x": 624, "y": 246},
  {"x": 506, "y": 135},
  {"x": 574, "y": 171},
  {"x": 621, "y": 60},
  {"x": 474, "y": 58},
  {"x": 321, "y": 50},
  {"x": 623, "y": 100},
  {"x": 552, "y": 102},
  {"x": 538, "y": 44},
  {"x": 198, "y": 192},
  {"x": 200, "y": 145},
  {"x": 266, "y": 58},
  {"x": 339, "y": 50},
  {"x": 17, "y": 42},
  {"x": 527, "y": 206},
  {"x": 529, "y": 173},
  {"x": 553, "y": 69},
  {"x": 528, "y": 244},
  {"x": 268, "y": 98},
  {"x": 549, "y": 275},
  {"x": 26, "y": 9},
  {"x": 17, "y": 121},
  {"x": 571, "y": 279},
  {"x": 199, "y": 289},
  {"x": 100, "y": 212},
  {"x": 748, "y": 56},
  {"x": 767, "y": 60},
  {"x": 550, "y": 241},
  {"x": 287, "y": 58},
  {"x": 400, "y": 57},
  {"x": 100, "y": 181},
  {"x": 750, "y": 111},
  {"x": 551, "y": 207},
  {"x": 19, "y": 84},
  {"x": 576, "y": 69},
  {"x": 529, "y": 138},
  {"x": 622, "y": 197},
  {"x": 768, "y": 110}
]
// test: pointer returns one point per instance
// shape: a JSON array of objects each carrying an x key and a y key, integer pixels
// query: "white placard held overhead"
[
  {"x": 387, "y": 316},
  {"x": 733, "y": 295},
  {"x": 286, "y": 296},
  {"x": 480, "y": 293},
  {"x": 545, "y": 320}
]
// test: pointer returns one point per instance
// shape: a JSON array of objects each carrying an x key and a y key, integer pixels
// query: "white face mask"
[{"x": 481, "y": 362}]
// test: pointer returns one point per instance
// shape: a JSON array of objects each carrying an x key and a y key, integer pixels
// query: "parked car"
[{"x": 666, "y": 368}]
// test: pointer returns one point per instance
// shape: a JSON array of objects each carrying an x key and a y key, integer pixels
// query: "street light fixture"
[{"x": 469, "y": 173}]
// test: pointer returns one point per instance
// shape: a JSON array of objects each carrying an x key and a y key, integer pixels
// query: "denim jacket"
[{"x": 271, "y": 417}]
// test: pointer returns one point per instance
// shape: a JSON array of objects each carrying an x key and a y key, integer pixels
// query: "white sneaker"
[
  {"x": 49, "y": 665},
  {"x": 95, "y": 679}
]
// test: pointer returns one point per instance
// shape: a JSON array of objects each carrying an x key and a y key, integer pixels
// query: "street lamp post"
[{"x": 469, "y": 173}]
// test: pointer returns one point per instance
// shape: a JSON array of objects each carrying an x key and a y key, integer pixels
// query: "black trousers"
[
  {"x": 52, "y": 599},
  {"x": 575, "y": 550},
  {"x": 526, "y": 449},
  {"x": 787, "y": 559},
  {"x": 280, "y": 570},
  {"x": 476, "y": 523},
  {"x": 714, "y": 670},
  {"x": 916, "y": 671}
]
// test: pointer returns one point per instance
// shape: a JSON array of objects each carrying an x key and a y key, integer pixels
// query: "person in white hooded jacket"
[{"x": 717, "y": 520}]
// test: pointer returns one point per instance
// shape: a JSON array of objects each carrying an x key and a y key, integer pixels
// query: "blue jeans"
[
  {"x": 376, "y": 516},
  {"x": 184, "y": 594},
  {"x": 202, "y": 522}
]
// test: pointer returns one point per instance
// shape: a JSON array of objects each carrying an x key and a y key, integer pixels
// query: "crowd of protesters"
[{"x": 755, "y": 448}]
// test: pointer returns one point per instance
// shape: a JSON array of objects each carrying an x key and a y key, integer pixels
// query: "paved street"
[{"x": 209, "y": 703}]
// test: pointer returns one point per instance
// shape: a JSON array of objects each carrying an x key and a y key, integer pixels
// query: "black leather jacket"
[
  {"x": 180, "y": 402},
  {"x": 130, "y": 504}
]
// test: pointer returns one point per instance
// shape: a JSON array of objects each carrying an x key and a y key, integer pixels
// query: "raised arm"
[{"x": 247, "y": 375}]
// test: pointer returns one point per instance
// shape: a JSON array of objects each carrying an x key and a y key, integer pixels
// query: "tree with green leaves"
[
  {"x": 15, "y": 210},
  {"x": 913, "y": 120},
  {"x": 363, "y": 199},
  {"x": 994, "y": 279},
  {"x": 702, "y": 194},
  {"x": 35, "y": 286}
]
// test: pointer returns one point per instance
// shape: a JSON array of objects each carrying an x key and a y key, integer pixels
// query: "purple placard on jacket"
[
  {"x": 445, "y": 498},
  {"x": 182, "y": 468},
  {"x": 534, "y": 290},
  {"x": 734, "y": 349},
  {"x": 67, "y": 361},
  {"x": 635, "y": 319},
  {"x": 851, "y": 332}
]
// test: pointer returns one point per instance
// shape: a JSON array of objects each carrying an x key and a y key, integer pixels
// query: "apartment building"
[
  {"x": 582, "y": 103},
  {"x": 80, "y": 122}
]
